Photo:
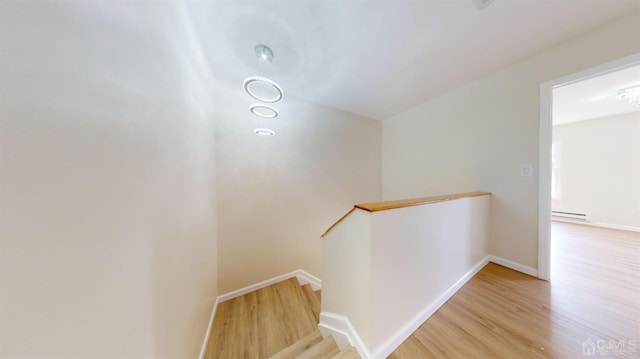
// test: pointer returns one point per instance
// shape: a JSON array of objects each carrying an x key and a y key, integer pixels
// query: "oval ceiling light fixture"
[
  {"x": 263, "y": 89},
  {"x": 264, "y": 53},
  {"x": 265, "y": 132},
  {"x": 264, "y": 111}
]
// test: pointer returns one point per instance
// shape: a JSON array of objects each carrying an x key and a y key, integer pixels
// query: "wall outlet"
[{"x": 526, "y": 170}]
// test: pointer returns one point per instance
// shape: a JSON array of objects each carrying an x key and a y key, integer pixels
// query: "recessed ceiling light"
[
  {"x": 263, "y": 89},
  {"x": 264, "y": 132},
  {"x": 264, "y": 111},
  {"x": 264, "y": 54}
]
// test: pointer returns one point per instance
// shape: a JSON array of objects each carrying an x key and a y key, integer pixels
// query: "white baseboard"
[
  {"x": 203, "y": 350},
  {"x": 394, "y": 342},
  {"x": 614, "y": 226},
  {"x": 306, "y": 278},
  {"x": 601, "y": 225},
  {"x": 302, "y": 276},
  {"x": 343, "y": 333},
  {"x": 513, "y": 265}
]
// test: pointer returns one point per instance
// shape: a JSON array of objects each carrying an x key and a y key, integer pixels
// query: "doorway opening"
[{"x": 551, "y": 181}]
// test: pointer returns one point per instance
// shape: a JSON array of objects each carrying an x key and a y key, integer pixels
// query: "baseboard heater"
[{"x": 572, "y": 216}]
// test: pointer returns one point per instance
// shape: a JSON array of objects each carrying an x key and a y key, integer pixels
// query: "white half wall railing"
[{"x": 388, "y": 266}]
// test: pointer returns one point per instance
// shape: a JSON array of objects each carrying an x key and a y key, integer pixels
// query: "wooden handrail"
[
  {"x": 386, "y": 205},
  {"x": 383, "y": 206}
]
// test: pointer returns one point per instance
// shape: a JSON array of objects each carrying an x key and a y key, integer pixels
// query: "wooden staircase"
[{"x": 276, "y": 322}]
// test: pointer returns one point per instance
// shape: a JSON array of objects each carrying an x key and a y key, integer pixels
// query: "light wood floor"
[
  {"x": 260, "y": 324},
  {"x": 594, "y": 294}
]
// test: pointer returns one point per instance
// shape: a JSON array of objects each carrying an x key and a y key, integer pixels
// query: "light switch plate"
[{"x": 526, "y": 170}]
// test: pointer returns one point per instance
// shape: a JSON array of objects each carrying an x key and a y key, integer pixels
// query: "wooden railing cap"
[{"x": 386, "y": 205}]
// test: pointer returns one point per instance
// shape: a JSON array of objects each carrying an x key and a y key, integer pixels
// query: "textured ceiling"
[{"x": 378, "y": 58}]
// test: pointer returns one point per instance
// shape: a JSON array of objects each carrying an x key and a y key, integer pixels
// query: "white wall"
[
  {"x": 107, "y": 182},
  {"x": 388, "y": 271},
  {"x": 346, "y": 272},
  {"x": 599, "y": 169},
  {"x": 475, "y": 137},
  {"x": 417, "y": 254},
  {"x": 277, "y": 195}
]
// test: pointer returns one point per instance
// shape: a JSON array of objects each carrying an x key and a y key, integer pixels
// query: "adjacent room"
[{"x": 595, "y": 191}]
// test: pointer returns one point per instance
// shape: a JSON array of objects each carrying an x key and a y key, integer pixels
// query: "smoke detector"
[{"x": 481, "y": 4}]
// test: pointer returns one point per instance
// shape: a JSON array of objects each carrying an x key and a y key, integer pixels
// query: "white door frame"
[{"x": 544, "y": 181}]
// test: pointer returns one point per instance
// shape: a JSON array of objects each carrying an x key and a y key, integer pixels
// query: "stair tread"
[
  {"x": 319, "y": 294},
  {"x": 261, "y": 323},
  {"x": 299, "y": 347},
  {"x": 326, "y": 349},
  {"x": 349, "y": 353},
  {"x": 312, "y": 299}
]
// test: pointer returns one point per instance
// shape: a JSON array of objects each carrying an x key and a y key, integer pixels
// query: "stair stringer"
[{"x": 343, "y": 333}]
